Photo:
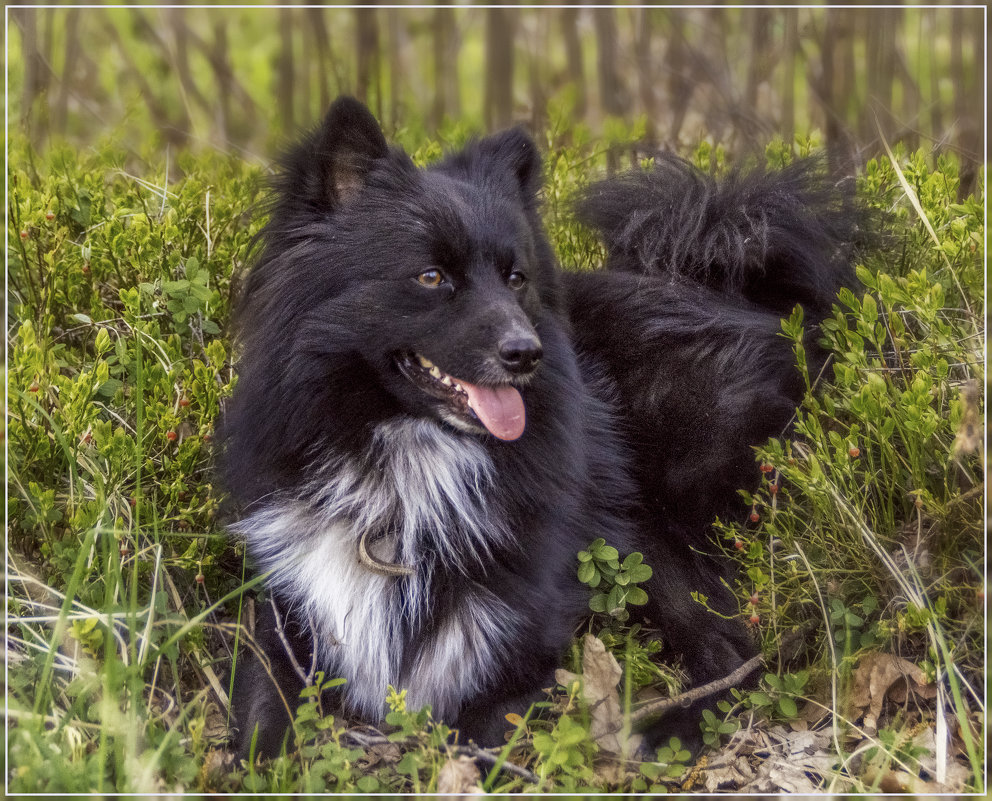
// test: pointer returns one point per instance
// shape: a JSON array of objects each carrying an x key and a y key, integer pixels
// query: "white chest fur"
[{"x": 425, "y": 491}]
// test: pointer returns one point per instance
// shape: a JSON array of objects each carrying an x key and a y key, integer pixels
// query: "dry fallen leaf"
[
  {"x": 600, "y": 675},
  {"x": 384, "y": 753},
  {"x": 459, "y": 775},
  {"x": 880, "y": 674},
  {"x": 969, "y": 435}
]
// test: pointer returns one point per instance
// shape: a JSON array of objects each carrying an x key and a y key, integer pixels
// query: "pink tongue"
[{"x": 501, "y": 409}]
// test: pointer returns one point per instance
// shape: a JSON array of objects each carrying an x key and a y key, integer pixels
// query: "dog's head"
[{"x": 427, "y": 290}]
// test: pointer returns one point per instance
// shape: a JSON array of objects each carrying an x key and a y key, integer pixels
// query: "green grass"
[{"x": 124, "y": 594}]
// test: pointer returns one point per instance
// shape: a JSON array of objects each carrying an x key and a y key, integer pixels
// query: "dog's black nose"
[{"x": 520, "y": 354}]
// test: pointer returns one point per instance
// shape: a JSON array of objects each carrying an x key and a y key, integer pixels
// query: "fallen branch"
[{"x": 663, "y": 705}]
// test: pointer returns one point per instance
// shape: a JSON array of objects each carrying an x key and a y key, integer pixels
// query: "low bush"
[{"x": 125, "y": 596}]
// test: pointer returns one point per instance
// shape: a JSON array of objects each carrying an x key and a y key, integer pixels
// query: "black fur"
[{"x": 655, "y": 379}]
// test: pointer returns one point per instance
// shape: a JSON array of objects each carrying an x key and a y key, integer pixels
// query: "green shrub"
[{"x": 124, "y": 592}]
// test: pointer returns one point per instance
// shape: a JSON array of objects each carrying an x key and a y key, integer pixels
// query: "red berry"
[
  {"x": 86, "y": 269},
  {"x": 767, "y": 468},
  {"x": 133, "y": 501},
  {"x": 773, "y": 488},
  {"x": 755, "y": 619},
  {"x": 171, "y": 436},
  {"x": 739, "y": 545},
  {"x": 755, "y": 517},
  {"x": 207, "y": 437},
  {"x": 24, "y": 234},
  {"x": 124, "y": 549},
  {"x": 184, "y": 402},
  {"x": 33, "y": 387},
  {"x": 49, "y": 215},
  {"x": 200, "y": 578},
  {"x": 855, "y": 452},
  {"x": 754, "y": 599}
]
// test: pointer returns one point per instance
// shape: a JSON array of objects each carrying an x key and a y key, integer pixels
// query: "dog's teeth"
[
  {"x": 458, "y": 387},
  {"x": 424, "y": 362},
  {"x": 435, "y": 372},
  {"x": 446, "y": 380}
]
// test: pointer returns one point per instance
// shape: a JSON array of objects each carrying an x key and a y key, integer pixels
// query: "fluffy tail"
[{"x": 776, "y": 238}]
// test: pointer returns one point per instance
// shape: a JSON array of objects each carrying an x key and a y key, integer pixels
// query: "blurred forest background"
[{"x": 245, "y": 79}]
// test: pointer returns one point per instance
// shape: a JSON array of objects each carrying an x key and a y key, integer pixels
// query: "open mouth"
[{"x": 498, "y": 409}]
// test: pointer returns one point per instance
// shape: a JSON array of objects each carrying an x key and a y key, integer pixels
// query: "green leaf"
[
  {"x": 787, "y": 707},
  {"x": 598, "y": 602},
  {"x": 637, "y": 596},
  {"x": 759, "y": 699},
  {"x": 587, "y": 570},
  {"x": 869, "y": 309},
  {"x": 109, "y": 388},
  {"x": 652, "y": 770},
  {"x": 609, "y": 554}
]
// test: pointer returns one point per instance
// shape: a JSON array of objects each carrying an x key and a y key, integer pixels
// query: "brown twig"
[
  {"x": 281, "y": 632},
  {"x": 663, "y": 705}
]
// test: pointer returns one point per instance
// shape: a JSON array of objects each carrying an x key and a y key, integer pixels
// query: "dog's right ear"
[{"x": 346, "y": 147}]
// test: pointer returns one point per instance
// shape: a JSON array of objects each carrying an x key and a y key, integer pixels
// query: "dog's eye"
[
  {"x": 430, "y": 278},
  {"x": 516, "y": 280}
]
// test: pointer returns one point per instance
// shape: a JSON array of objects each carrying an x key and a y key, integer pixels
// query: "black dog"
[{"x": 432, "y": 419}]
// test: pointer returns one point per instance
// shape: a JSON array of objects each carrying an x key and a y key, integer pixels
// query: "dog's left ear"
[
  {"x": 347, "y": 145},
  {"x": 513, "y": 155}
]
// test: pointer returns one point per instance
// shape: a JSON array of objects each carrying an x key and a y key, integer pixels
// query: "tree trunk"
[
  {"x": 498, "y": 102},
  {"x": 645, "y": 71},
  {"x": 680, "y": 88},
  {"x": 222, "y": 77},
  {"x": 368, "y": 87},
  {"x": 440, "y": 50},
  {"x": 285, "y": 68},
  {"x": 27, "y": 22},
  {"x": 760, "y": 58},
  {"x": 397, "y": 52},
  {"x": 573, "y": 53},
  {"x": 69, "y": 70},
  {"x": 967, "y": 96},
  {"x": 612, "y": 98},
  {"x": 317, "y": 28},
  {"x": 790, "y": 44},
  {"x": 929, "y": 24},
  {"x": 883, "y": 25},
  {"x": 536, "y": 61}
]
